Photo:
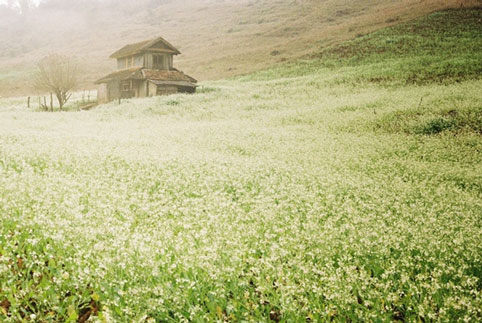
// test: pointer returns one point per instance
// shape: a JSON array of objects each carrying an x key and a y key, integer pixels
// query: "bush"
[{"x": 435, "y": 126}]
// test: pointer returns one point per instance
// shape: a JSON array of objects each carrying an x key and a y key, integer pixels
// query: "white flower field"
[{"x": 278, "y": 196}]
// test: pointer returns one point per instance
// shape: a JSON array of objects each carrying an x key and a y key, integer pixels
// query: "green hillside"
[
  {"x": 346, "y": 186},
  {"x": 441, "y": 47}
]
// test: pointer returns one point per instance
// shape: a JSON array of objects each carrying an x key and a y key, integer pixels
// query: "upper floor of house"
[{"x": 154, "y": 54}]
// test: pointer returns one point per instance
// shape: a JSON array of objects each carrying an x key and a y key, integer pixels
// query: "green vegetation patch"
[
  {"x": 39, "y": 279},
  {"x": 432, "y": 121},
  {"x": 441, "y": 48}
]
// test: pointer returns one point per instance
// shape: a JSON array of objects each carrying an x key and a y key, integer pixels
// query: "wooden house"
[{"x": 144, "y": 69}]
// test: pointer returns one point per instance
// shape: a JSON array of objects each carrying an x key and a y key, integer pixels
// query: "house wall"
[
  {"x": 107, "y": 92},
  {"x": 121, "y": 63},
  {"x": 167, "y": 61},
  {"x": 166, "y": 89},
  {"x": 187, "y": 89},
  {"x": 113, "y": 90},
  {"x": 129, "y": 89},
  {"x": 148, "y": 60},
  {"x": 138, "y": 61},
  {"x": 102, "y": 94},
  {"x": 152, "y": 89},
  {"x": 142, "y": 89},
  {"x": 135, "y": 88}
]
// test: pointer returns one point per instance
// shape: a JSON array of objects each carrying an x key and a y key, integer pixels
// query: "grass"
[
  {"x": 433, "y": 49},
  {"x": 308, "y": 192}
]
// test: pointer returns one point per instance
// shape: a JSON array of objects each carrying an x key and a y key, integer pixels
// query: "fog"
[
  {"x": 28, "y": 25},
  {"x": 88, "y": 29}
]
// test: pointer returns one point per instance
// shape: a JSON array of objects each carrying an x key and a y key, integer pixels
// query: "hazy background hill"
[{"x": 218, "y": 38}]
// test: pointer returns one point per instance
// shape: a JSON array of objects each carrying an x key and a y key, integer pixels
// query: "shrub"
[{"x": 435, "y": 126}]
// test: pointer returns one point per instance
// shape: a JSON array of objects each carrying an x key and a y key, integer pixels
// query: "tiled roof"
[
  {"x": 146, "y": 74},
  {"x": 171, "y": 75},
  {"x": 128, "y": 74},
  {"x": 176, "y": 83}
]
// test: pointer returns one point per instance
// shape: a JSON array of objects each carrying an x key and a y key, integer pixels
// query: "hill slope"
[
  {"x": 217, "y": 38},
  {"x": 339, "y": 188}
]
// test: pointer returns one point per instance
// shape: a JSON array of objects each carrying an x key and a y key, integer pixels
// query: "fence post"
[{"x": 28, "y": 103}]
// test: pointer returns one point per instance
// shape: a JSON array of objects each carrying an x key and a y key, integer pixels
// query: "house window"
[
  {"x": 129, "y": 61},
  {"x": 127, "y": 86},
  {"x": 157, "y": 60}
]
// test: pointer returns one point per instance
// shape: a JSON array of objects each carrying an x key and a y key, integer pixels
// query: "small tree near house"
[{"x": 57, "y": 74}]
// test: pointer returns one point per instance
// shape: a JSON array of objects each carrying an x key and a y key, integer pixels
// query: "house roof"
[
  {"x": 177, "y": 83},
  {"x": 146, "y": 74},
  {"x": 128, "y": 74},
  {"x": 171, "y": 75},
  {"x": 136, "y": 48}
]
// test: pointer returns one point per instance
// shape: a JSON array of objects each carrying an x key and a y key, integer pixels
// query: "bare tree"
[{"x": 57, "y": 74}]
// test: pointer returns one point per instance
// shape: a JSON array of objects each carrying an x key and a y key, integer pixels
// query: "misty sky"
[{"x": 5, "y": 1}]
